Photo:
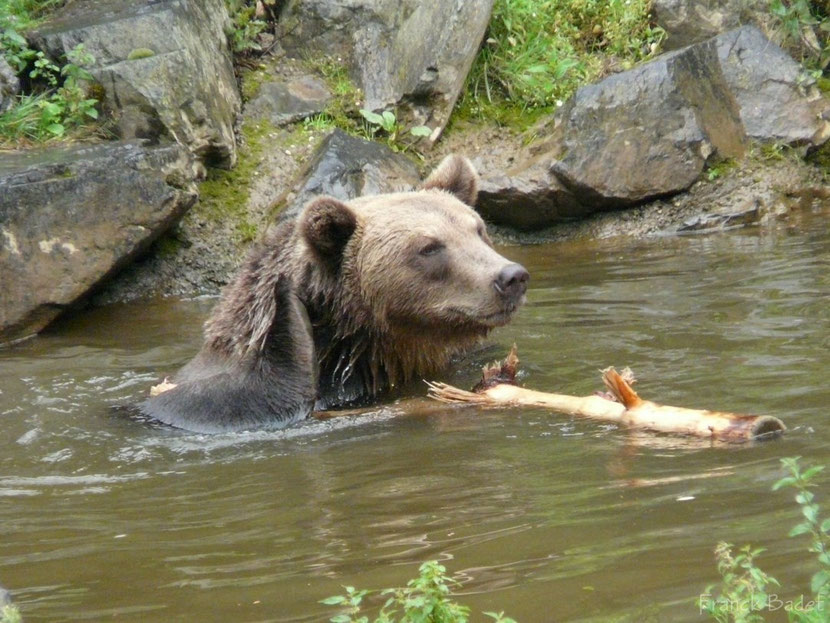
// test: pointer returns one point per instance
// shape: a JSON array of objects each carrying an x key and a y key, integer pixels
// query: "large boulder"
[
  {"x": 164, "y": 66},
  {"x": 72, "y": 216},
  {"x": 346, "y": 167},
  {"x": 9, "y": 85},
  {"x": 646, "y": 132},
  {"x": 777, "y": 101},
  {"x": 649, "y": 132},
  {"x": 407, "y": 53}
]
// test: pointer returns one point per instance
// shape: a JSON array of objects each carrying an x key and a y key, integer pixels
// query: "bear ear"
[
  {"x": 326, "y": 225},
  {"x": 457, "y": 176}
]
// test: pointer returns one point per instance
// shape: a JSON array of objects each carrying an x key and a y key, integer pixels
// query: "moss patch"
[
  {"x": 225, "y": 193},
  {"x": 140, "y": 53}
]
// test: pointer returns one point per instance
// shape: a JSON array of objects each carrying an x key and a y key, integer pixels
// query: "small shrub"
[
  {"x": 425, "y": 599},
  {"x": 742, "y": 593},
  {"x": 387, "y": 123},
  {"x": 805, "y": 28},
  {"x": 10, "y": 614}
]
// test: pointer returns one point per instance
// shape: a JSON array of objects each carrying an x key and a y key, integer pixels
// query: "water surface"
[{"x": 546, "y": 517}]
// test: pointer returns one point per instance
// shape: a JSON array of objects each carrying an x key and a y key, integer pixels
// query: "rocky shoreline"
[{"x": 705, "y": 137}]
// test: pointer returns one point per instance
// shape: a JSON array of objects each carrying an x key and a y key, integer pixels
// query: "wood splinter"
[{"x": 497, "y": 388}]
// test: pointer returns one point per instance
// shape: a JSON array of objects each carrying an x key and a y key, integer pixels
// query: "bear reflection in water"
[{"x": 344, "y": 302}]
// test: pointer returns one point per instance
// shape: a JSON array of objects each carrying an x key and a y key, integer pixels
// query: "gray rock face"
[
  {"x": 287, "y": 102},
  {"x": 650, "y": 131},
  {"x": 164, "y": 66},
  {"x": 529, "y": 197},
  {"x": 692, "y": 21},
  {"x": 400, "y": 51},
  {"x": 346, "y": 167},
  {"x": 9, "y": 85},
  {"x": 646, "y": 132},
  {"x": 776, "y": 100},
  {"x": 72, "y": 216}
]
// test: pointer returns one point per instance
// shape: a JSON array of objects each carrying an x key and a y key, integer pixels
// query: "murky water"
[{"x": 540, "y": 515}]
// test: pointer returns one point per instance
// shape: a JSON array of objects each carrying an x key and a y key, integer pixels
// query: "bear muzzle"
[{"x": 511, "y": 284}]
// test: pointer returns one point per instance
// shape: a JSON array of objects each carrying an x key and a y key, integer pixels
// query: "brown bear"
[{"x": 344, "y": 303}]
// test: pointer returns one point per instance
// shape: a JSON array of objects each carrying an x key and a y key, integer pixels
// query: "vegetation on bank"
[
  {"x": 56, "y": 98},
  {"x": 538, "y": 52},
  {"x": 10, "y": 614},
  {"x": 745, "y": 590},
  {"x": 427, "y": 598}
]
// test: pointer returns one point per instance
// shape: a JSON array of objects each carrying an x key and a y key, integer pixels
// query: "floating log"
[{"x": 623, "y": 406}]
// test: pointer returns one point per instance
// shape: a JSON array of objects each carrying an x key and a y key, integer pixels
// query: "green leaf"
[
  {"x": 810, "y": 512},
  {"x": 804, "y": 497},
  {"x": 56, "y": 128},
  {"x": 787, "y": 481},
  {"x": 91, "y": 112},
  {"x": 371, "y": 117},
  {"x": 420, "y": 130},
  {"x": 819, "y": 580},
  {"x": 801, "y": 528},
  {"x": 334, "y": 600},
  {"x": 825, "y": 525},
  {"x": 815, "y": 469},
  {"x": 341, "y": 618}
]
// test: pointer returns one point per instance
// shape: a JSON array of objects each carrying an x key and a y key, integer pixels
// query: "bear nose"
[{"x": 511, "y": 282}]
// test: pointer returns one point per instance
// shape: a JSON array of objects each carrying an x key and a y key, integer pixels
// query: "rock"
[
  {"x": 164, "y": 66},
  {"x": 9, "y": 85},
  {"x": 346, "y": 167},
  {"x": 529, "y": 197},
  {"x": 406, "y": 53},
  {"x": 286, "y": 102},
  {"x": 692, "y": 21},
  {"x": 777, "y": 101},
  {"x": 646, "y": 132},
  {"x": 72, "y": 216},
  {"x": 649, "y": 132}
]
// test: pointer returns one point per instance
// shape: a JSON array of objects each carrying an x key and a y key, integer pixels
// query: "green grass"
[
  {"x": 538, "y": 52},
  {"x": 23, "y": 14}
]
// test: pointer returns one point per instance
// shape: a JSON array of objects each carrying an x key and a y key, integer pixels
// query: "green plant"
[
  {"x": 319, "y": 123},
  {"x": 246, "y": 25},
  {"x": 805, "y": 27},
  {"x": 742, "y": 592},
  {"x": 719, "y": 168},
  {"x": 139, "y": 53},
  {"x": 424, "y": 599},
  {"x": 387, "y": 122},
  {"x": 10, "y": 614},
  {"x": 538, "y": 52}
]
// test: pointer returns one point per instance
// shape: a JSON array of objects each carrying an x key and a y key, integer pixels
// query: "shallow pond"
[{"x": 545, "y": 517}]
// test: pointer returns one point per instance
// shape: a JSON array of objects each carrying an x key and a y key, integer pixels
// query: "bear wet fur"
[{"x": 345, "y": 303}]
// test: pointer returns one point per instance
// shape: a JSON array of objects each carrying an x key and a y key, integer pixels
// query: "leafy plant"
[
  {"x": 387, "y": 123},
  {"x": 424, "y": 599},
  {"x": 805, "y": 27},
  {"x": 10, "y": 614},
  {"x": 538, "y": 52},
  {"x": 742, "y": 592},
  {"x": 246, "y": 25}
]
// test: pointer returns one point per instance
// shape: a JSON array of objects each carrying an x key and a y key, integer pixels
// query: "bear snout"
[{"x": 511, "y": 282}]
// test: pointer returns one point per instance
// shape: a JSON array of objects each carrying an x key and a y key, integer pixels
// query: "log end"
[{"x": 767, "y": 427}]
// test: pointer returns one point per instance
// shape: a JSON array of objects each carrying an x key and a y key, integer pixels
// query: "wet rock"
[
  {"x": 525, "y": 198},
  {"x": 346, "y": 167},
  {"x": 649, "y": 132},
  {"x": 777, "y": 101},
  {"x": 692, "y": 21},
  {"x": 164, "y": 66},
  {"x": 9, "y": 85},
  {"x": 287, "y": 102},
  {"x": 410, "y": 53},
  {"x": 646, "y": 132},
  {"x": 72, "y": 216}
]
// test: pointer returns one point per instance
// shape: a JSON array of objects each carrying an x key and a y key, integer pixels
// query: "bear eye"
[
  {"x": 431, "y": 248},
  {"x": 481, "y": 231}
]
